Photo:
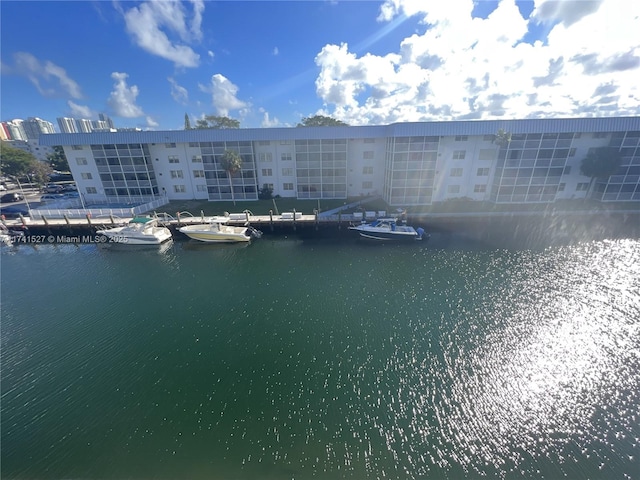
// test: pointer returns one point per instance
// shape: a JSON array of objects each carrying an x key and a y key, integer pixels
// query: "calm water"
[{"x": 291, "y": 359}]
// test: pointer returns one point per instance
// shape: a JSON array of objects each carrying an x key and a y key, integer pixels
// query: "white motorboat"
[
  {"x": 139, "y": 231},
  {"x": 217, "y": 231},
  {"x": 387, "y": 229}
]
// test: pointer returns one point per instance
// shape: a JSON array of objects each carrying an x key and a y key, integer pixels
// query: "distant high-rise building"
[
  {"x": 34, "y": 127},
  {"x": 4, "y": 131},
  {"x": 84, "y": 125},
  {"x": 104, "y": 118},
  {"x": 16, "y": 131},
  {"x": 67, "y": 125}
]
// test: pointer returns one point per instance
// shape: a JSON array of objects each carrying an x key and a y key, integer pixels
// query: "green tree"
[
  {"x": 231, "y": 162},
  {"x": 187, "y": 122},
  {"x": 15, "y": 162},
  {"x": 40, "y": 173},
  {"x": 502, "y": 138},
  {"x": 58, "y": 160},
  {"x": 599, "y": 164},
  {"x": 216, "y": 122},
  {"x": 321, "y": 121}
]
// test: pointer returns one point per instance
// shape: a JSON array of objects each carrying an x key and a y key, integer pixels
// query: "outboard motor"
[{"x": 420, "y": 231}]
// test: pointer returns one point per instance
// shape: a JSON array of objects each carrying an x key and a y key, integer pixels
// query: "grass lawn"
[
  {"x": 307, "y": 207},
  {"x": 262, "y": 207}
]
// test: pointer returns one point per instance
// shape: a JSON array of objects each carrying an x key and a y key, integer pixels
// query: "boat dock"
[{"x": 276, "y": 223}]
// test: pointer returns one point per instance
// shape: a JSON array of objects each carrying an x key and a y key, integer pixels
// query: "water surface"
[{"x": 291, "y": 359}]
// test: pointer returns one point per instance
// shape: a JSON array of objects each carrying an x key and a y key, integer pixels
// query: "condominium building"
[
  {"x": 34, "y": 127},
  {"x": 405, "y": 163},
  {"x": 67, "y": 125}
]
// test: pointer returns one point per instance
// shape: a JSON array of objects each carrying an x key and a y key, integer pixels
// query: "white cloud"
[
  {"x": 80, "y": 111},
  {"x": 151, "y": 23},
  {"x": 50, "y": 79},
  {"x": 179, "y": 93},
  {"x": 461, "y": 67},
  {"x": 275, "y": 52},
  {"x": 267, "y": 121},
  {"x": 151, "y": 123},
  {"x": 123, "y": 98},
  {"x": 211, "y": 54},
  {"x": 223, "y": 95}
]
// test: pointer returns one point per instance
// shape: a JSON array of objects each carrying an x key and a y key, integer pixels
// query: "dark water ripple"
[{"x": 295, "y": 360}]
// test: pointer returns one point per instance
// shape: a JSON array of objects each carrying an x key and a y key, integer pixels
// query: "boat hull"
[
  {"x": 226, "y": 234},
  {"x": 388, "y": 236},
  {"x": 157, "y": 238}
]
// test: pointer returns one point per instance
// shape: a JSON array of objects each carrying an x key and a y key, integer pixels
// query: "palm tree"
[
  {"x": 502, "y": 138},
  {"x": 600, "y": 163},
  {"x": 231, "y": 162}
]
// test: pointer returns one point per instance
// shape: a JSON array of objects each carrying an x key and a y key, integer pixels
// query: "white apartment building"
[{"x": 405, "y": 163}]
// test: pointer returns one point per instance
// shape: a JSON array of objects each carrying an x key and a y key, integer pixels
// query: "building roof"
[{"x": 470, "y": 127}]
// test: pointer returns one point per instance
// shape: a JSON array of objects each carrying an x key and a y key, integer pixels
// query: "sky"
[{"x": 270, "y": 64}]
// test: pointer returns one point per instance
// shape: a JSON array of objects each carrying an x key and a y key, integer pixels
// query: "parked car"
[
  {"x": 71, "y": 194},
  {"x": 51, "y": 196},
  {"x": 53, "y": 188},
  {"x": 11, "y": 197},
  {"x": 71, "y": 188},
  {"x": 14, "y": 211},
  {"x": 3, "y": 188}
]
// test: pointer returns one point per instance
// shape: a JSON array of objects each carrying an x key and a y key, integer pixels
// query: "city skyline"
[{"x": 269, "y": 64}]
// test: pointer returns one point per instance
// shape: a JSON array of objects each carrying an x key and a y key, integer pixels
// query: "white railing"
[{"x": 74, "y": 209}]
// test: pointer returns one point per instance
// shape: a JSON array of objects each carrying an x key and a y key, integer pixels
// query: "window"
[
  {"x": 285, "y": 142},
  {"x": 196, "y": 159},
  {"x": 264, "y": 142},
  {"x": 600, "y": 135},
  {"x": 453, "y": 189},
  {"x": 177, "y": 174},
  {"x": 91, "y": 190},
  {"x": 198, "y": 174},
  {"x": 285, "y": 157},
  {"x": 456, "y": 172},
  {"x": 461, "y": 138},
  {"x": 287, "y": 172},
  {"x": 489, "y": 138},
  {"x": 86, "y": 176},
  {"x": 582, "y": 187},
  {"x": 201, "y": 188},
  {"x": 287, "y": 186},
  {"x": 487, "y": 154},
  {"x": 81, "y": 161},
  {"x": 483, "y": 172},
  {"x": 194, "y": 144},
  {"x": 567, "y": 170},
  {"x": 367, "y": 185},
  {"x": 268, "y": 185},
  {"x": 480, "y": 188},
  {"x": 561, "y": 187},
  {"x": 179, "y": 189},
  {"x": 459, "y": 154},
  {"x": 369, "y": 140},
  {"x": 170, "y": 145},
  {"x": 174, "y": 159},
  {"x": 267, "y": 172},
  {"x": 76, "y": 147},
  {"x": 265, "y": 157},
  {"x": 368, "y": 155},
  {"x": 572, "y": 152},
  {"x": 367, "y": 170}
]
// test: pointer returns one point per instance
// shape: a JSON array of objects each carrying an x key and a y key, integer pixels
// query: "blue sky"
[{"x": 146, "y": 64}]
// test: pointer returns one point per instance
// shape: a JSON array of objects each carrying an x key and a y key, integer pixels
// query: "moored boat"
[
  {"x": 388, "y": 229},
  {"x": 139, "y": 231},
  {"x": 217, "y": 231}
]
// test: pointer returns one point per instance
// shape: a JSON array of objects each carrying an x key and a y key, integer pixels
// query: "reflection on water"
[{"x": 289, "y": 359}]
